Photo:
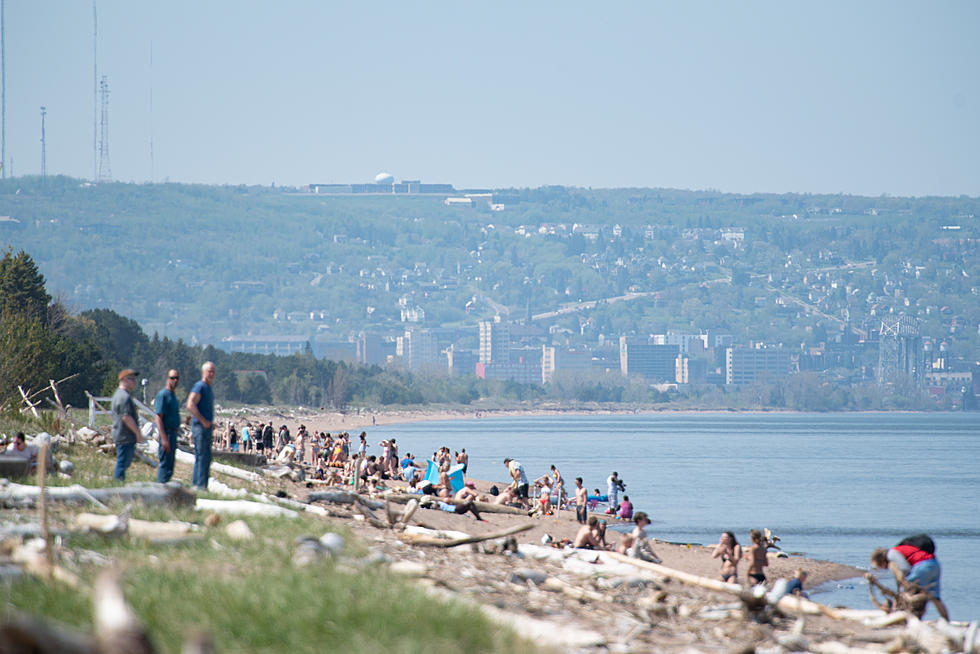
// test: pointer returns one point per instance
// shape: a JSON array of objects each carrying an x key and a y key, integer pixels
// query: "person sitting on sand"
[
  {"x": 585, "y": 537},
  {"x": 467, "y": 493},
  {"x": 641, "y": 548},
  {"x": 507, "y": 497},
  {"x": 599, "y": 534},
  {"x": 730, "y": 553},
  {"x": 625, "y": 509},
  {"x": 758, "y": 559}
]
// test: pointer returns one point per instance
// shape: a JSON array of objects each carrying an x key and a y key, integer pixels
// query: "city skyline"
[{"x": 879, "y": 98}]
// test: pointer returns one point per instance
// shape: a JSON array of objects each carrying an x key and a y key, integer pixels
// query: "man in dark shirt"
[
  {"x": 200, "y": 403},
  {"x": 166, "y": 406},
  {"x": 125, "y": 423}
]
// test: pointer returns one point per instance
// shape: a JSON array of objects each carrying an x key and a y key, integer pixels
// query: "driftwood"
[
  {"x": 140, "y": 529},
  {"x": 243, "y": 507},
  {"x": 416, "y": 539},
  {"x": 220, "y": 468},
  {"x": 150, "y": 493},
  {"x": 789, "y": 604},
  {"x": 482, "y": 507},
  {"x": 342, "y": 497}
]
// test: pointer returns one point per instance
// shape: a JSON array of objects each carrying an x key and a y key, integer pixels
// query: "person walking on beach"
[
  {"x": 125, "y": 422},
  {"x": 200, "y": 403},
  {"x": 267, "y": 439},
  {"x": 730, "y": 553},
  {"x": 166, "y": 407}
]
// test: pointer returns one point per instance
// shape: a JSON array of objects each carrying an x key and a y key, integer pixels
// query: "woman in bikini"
[
  {"x": 758, "y": 559},
  {"x": 730, "y": 553}
]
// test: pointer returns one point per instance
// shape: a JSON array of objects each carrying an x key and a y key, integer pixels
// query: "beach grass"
[{"x": 248, "y": 594}]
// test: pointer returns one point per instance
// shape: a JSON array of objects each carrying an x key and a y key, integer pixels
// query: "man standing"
[
  {"x": 200, "y": 403},
  {"x": 166, "y": 406},
  {"x": 125, "y": 425},
  {"x": 613, "y": 485}
]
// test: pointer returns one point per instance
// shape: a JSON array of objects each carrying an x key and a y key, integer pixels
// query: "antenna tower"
[
  {"x": 95, "y": 94},
  {"x": 105, "y": 169},
  {"x": 3, "y": 93},
  {"x": 44, "y": 146}
]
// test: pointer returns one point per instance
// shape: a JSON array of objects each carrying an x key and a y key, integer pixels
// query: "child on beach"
[
  {"x": 758, "y": 559},
  {"x": 641, "y": 548}
]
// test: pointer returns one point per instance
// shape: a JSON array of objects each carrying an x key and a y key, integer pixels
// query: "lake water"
[{"x": 832, "y": 486}]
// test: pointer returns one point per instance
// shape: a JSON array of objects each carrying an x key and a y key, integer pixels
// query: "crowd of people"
[{"x": 337, "y": 459}]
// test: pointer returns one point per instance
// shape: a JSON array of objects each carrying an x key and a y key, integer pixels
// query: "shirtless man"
[
  {"x": 585, "y": 538},
  {"x": 581, "y": 501},
  {"x": 758, "y": 559}
]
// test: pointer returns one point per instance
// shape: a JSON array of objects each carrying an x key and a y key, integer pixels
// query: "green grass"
[{"x": 248, "y": 594}]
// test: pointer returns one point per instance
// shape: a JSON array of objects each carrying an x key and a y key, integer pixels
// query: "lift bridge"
[{"x": 900, "y": 352}]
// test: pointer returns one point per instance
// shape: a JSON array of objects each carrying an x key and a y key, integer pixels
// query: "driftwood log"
[
  {"x": 482, "y": 507},
  {"x": 418, "y": 539},
  {"x": 150, "y": 493},
  {"x": 343, "y": 497}
]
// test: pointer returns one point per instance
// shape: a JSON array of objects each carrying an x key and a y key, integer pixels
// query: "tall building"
[
  {"x": 556, "y": 359},
  {"x": 494, "y": 341},
  {"x": 420, "y": 348},
  {"x": 370, "y": 350},
  {"x": 655, "y": 362},
  {"x": 745, "y": 365},
  {"x": 461, "y": 362}
]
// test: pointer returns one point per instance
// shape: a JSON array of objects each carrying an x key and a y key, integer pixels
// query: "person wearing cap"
[
  {"x": 166, "y": 406},
  {"x": 125, "y": 424},
  {"x": 200, "y": 403}
]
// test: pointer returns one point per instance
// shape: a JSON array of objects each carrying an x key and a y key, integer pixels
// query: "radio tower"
[
  {"x": 44, "y": 156},
  {"x": 105, "y": 170}
]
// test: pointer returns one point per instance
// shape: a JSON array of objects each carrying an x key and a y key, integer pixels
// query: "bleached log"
[
  {"x": 416, "y": 539},
  {"x": 792, "y": 604},
  {"x": 220, "y": 468},
  {"x": 150, "y": 493},
  {"x": 482, "y": 507},
  {"x": 929, "y": 638},
  {"x": 139, "y": 529},
  {"x": 243, "y": 507}
]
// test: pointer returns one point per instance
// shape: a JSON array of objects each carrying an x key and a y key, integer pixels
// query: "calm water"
[{"x": 832, "y": 486}]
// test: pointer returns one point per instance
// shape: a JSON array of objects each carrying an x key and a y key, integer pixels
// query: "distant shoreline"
[{"x": 364, "y": 419}]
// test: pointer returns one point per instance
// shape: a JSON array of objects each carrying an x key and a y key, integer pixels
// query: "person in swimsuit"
[
  {"x": 758, "y": 558},
  {"x": 730, "y": 553}
]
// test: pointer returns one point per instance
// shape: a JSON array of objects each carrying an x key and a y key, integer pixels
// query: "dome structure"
[{"x": 384, "y": 178}]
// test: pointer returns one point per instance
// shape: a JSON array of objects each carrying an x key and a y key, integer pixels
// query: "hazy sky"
[{"x": 855, "y": 97}]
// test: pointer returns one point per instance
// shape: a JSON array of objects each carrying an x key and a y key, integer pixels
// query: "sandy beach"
[{"x": 695, "y": 559}]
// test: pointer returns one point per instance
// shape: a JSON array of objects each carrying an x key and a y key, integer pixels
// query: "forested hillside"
[{"x": 201, "y": 263}]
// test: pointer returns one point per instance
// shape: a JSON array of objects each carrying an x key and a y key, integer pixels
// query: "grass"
[{"x": 248, "y": 594}]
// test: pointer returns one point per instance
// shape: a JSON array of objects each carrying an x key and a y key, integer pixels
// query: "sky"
[{"x": 868, "y": 98}]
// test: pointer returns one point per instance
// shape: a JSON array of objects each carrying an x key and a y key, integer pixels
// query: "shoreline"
[
  {"x": 692, "y": 558},
  {"x": 363, "y": 419}
]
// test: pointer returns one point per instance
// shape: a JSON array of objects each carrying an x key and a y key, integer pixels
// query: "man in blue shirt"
[
  {"x": 200, "y": 403},
  {"x": 166, "y": 406}
]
